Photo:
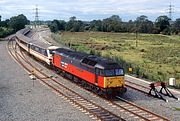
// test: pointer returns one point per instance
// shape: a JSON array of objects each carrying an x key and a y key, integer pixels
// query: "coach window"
[
  {"x": 36, "y": 49},
  {"x": 51, "y": 51},
  {"x": 32, "y": 47},
  {"x": 43, "y": 51}
]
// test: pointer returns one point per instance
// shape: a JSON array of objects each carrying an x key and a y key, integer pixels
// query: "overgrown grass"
[{"x": 155, "y": 57}]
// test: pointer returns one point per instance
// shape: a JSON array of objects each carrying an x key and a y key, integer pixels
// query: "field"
[{"x": 154, "y": 57}]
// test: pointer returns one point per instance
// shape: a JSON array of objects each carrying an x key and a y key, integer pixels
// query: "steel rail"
[
  {"x": 138, "y": 107},
  {"x": 142, "y": 110},
  {"x": 96, "y": 110}
]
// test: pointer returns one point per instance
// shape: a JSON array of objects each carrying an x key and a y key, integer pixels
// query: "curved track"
[
  {"x": 131, "y": 110},
  {"x": 95, "y": 111},
  {"x": 134, "y": 112}
]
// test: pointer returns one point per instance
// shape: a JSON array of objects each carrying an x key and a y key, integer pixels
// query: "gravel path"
[{"x": 21, "y": 101}]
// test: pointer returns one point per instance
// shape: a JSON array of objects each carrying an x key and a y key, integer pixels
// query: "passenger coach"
[{"x": 37, "y": 48}]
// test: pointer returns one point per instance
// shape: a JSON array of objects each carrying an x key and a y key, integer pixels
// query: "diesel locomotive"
[{"x": 97, "y": 74}]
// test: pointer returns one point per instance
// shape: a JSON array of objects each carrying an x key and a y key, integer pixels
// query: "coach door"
[
  {"x": 96, "y": 75},
  {"x": 28, "y": 47}
]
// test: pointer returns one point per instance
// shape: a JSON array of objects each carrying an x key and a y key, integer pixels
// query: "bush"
[
  {"x": 166, "y": 31},
  {"x": 5, "y": 32},
  {"x": 177, "y": 86}
]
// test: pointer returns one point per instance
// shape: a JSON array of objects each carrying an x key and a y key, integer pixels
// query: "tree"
[
  {"x": 74, "y": 25},
  {"x": 18, "y": 22},
  {"x": 162, "y": 23},
  {"x": 116, "y": 18},
  {"x": 57, "y": 25},
  {"x": 70, "y": 23},
  {"x": 53, "y": 27},
  {"x": 143, "y": 25},
  {"x": 62, "y": 25},
  {"x": 142, "y": 18},
  {"x": 130, "y": 26},
  {"x": 73, "y": 18},
  {"x": 96, "y": 25},
  {"x": 112, "y": 23},
  {"x": 4, "y": 23},
  {"x": 176, "y": 26}
]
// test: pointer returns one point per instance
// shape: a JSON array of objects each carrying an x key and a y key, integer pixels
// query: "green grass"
[
  {"x": 157, "y": 56},
  {"x": 177, "y": 109}
]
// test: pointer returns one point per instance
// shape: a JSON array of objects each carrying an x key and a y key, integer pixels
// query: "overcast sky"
[{"x": 88, "y": 9}]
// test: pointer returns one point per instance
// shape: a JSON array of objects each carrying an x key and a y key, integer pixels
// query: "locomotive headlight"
[{"x": 109, "y": 82}]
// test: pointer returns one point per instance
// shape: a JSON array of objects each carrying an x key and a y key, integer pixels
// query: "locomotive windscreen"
[{"x": 114, "y": 72}]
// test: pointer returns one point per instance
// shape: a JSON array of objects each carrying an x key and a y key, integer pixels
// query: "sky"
[{"x": 88, "y": 10}]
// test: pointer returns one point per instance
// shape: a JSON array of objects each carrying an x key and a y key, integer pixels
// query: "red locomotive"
[{"x": 97, "y": 74}]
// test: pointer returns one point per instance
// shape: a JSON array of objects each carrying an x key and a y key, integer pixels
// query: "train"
[{"x": 97, "y": 74}]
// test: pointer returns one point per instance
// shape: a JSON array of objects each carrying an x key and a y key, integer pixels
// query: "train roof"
[
  {"x": 22, "y": 35},
  {"x": 70, "y": 53},
  {"x": 24, "y": 31},
  {"x": 40, "y": 44},
  {"x": 87, "y": 59}
]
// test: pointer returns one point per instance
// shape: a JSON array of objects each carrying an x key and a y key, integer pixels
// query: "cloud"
[{"x": 86, "y": 9}]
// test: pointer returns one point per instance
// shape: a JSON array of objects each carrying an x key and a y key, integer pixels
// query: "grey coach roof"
[{"x": 22, "y": 35}]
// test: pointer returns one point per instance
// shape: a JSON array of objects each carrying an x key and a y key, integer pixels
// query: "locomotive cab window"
[
  {"x": 114, "y": 72},
  {"x": 119, "y": 72},
  {"x": 109, "y": 72},
  {"x": 101, "y": 72}
]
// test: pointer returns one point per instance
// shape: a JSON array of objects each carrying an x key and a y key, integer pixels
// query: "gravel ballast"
[
  {"x": 168, "y": 109},
  {"x": 21, "y": 100}
]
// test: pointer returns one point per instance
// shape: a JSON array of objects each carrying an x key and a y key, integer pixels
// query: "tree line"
[
  {"x": 142, "y": 24},
  {"x": 10, "y": 26}
]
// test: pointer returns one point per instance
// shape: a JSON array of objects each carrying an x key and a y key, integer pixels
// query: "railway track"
[
  {"x": 132, "y": 111},
  {"x": 151, "y": 92},
  {"x": 138, "y": 87},
  {"x": 136, "y": 112},
  {"x": 93, "y": 110}
]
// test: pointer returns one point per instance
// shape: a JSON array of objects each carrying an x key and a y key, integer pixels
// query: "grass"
[
  {"x": 177, "y": 109},
  {"x": 157, "y": 56}
]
